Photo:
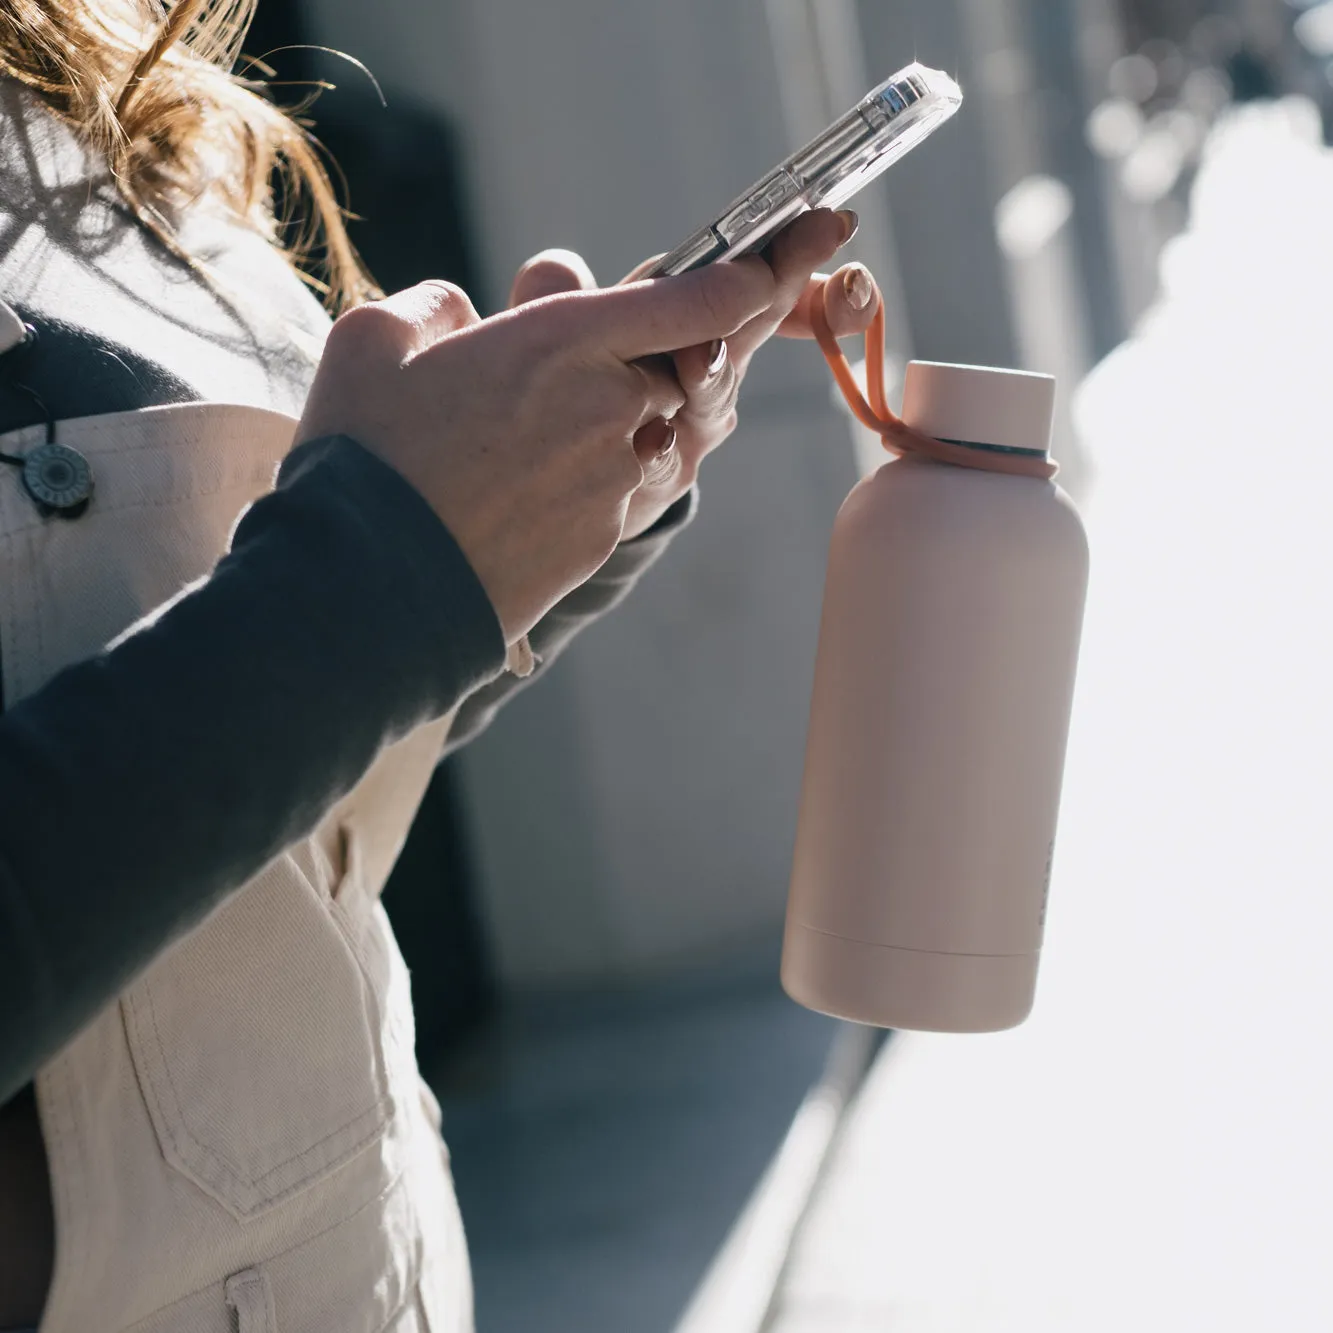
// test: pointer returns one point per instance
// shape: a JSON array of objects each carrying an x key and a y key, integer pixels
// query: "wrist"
[{"x": 667, "y": 519}]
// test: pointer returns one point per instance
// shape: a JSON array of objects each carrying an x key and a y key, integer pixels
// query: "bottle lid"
[{"x": 985, "y": 408}]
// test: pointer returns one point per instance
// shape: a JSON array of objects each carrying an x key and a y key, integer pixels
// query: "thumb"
[{"x": 550, "y": 273}]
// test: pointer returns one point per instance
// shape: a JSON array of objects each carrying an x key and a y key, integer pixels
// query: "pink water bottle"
[{"x": 943, "y": 684}]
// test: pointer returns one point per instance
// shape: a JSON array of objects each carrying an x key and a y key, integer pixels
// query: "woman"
[{"x": 241, "y": 1139}]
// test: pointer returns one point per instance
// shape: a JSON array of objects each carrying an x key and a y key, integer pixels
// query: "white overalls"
[{"x": 241, "y": 1143}]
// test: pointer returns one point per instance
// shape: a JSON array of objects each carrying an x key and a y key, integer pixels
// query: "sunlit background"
[{"x": 1138, "y": 198}]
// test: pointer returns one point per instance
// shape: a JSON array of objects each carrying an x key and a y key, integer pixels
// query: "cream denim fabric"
[{"x": 241, "y": 1142}]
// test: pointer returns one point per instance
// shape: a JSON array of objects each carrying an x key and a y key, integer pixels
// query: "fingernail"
[
  {"x": 668, "y": 440},
  {"x": 850, "y": 224},
  {"x": 858, "y": 287},
  {"x": 717, "y": 356}
]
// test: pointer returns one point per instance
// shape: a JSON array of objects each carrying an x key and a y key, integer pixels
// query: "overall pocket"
[{"x": 258, "y": 1040}]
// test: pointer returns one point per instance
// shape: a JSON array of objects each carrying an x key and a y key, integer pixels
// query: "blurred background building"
[{"x": 591, "y": 901}]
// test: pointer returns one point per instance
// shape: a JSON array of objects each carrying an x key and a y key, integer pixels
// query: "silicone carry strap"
[{"x": 898, "y": 437}]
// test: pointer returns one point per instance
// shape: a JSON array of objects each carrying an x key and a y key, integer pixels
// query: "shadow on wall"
[{"x": 405, "y": 187}]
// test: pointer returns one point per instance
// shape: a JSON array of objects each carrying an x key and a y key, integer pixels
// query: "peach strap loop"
[{"x": 898, "y": 437}]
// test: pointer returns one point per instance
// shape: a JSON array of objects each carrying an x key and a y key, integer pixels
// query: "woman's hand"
[
  {"x": 710, "y": 374},
  {"x": 519, "y": 430}
]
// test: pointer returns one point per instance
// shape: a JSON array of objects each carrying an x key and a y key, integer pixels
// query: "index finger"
[{"x": 666, "y": 314}]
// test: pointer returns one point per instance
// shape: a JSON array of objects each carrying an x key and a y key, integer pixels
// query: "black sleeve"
[
  {"x": 141, "y": 786},
  {"x": 588, "y": 602}
]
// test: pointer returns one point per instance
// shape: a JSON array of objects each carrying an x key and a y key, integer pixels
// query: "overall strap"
[{"x": 58, "y": 479}]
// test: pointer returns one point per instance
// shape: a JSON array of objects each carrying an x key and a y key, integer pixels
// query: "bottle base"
[{"x": 910, "y": 989}]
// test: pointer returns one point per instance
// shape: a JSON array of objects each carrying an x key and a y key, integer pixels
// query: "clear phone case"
[{"x": 888, "y": 122}]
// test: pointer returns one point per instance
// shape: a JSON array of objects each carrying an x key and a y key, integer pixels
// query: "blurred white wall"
[{"x": 634, "y": 811}]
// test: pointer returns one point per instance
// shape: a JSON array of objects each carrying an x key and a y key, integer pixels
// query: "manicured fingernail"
[
  {"x": 717, "y": 356},
  {"x": 668, "y": 440},
  {"x": 858, "y": 287},
  {"x": 850, "y": 224}
]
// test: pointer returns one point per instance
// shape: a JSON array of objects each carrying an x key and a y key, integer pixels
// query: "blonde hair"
[{"x": 149, "y": 84}]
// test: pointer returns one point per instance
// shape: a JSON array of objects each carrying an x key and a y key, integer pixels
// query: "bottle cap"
[{"x": 980, "y": 406}]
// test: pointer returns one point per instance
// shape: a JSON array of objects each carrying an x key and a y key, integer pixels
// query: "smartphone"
[{"x": 886, "y": 123}]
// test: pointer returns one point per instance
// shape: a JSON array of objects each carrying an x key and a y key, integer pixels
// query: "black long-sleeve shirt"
[{"x": 139, "y": 787}]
